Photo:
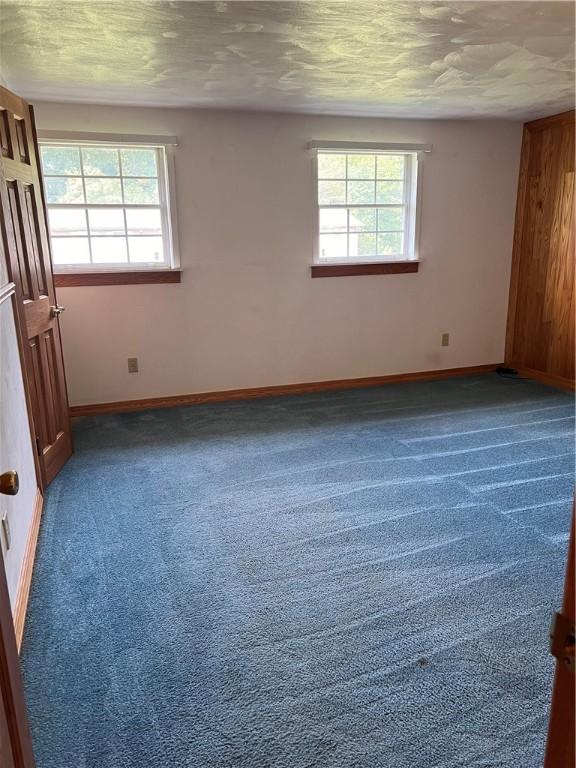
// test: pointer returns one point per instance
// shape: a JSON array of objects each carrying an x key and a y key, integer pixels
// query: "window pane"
[
  {"x": 106, "y": 221},
  {"x": 362, "y": 219},
  {"x": 362, "y": 244},
  {"x": 390, "y": 244},
  {"x": 390, "y": 166},
  {"x": 361, "y": 166},
  {"x": 333, "y": 220},
  {"x": 143, "y": 191},
  {"x": 64, "y": 191},
  {"x": 331, "y": 166},
  {"x": 65, "y": 221},
  {"x": 333, "y": 246},
  {"x": 331, "y": 192},
  {"x": 143, "y": 221},
  {"x": 70, "y": 250},
  {"x": 139, "y": 162},
  {"x": 390, "y": 219},
  {"x": 361, "y": 192},
  {"x": 149, "y": 249},
  {"x": 103, "y": 190},
  {"x": 389, "y": 191},
  {"x": 109, "y": 250},
  {"x": 99, "y": 161},
  {"x": 60, "y": 161}
]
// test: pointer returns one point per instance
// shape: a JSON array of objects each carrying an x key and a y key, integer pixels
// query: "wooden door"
[
  {"x": 560, "y": 749},
  {"x": 15, "y": 740},
  {"x": 25, "y": 239}
]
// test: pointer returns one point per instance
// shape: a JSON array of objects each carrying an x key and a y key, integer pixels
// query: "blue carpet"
[{"x": 358, "y": 579}]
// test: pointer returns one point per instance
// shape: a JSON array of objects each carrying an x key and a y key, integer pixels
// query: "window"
[
  {"x": 366, "y": 205},
  {"x": 107, "y": 206}
]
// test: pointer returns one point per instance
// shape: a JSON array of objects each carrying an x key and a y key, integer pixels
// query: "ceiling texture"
[{"x": 390, "y": 58}]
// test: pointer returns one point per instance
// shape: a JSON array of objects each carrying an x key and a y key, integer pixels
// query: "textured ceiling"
[{"x": 428, "y": 59}]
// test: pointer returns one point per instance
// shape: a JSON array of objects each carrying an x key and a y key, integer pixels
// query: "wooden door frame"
[
  {"x": 12, "y": 700},
  {"x": 560, "y": 747},
  {"x": 11, "y": 691}
]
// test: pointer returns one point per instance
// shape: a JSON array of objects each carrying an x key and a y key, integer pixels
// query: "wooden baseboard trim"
[
  {"x": 546, "y": 378},
  {"x": 282, "y": 389},
  {"x": 27, "y": 567}
]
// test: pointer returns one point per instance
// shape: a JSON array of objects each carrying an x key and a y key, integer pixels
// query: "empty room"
[{"x": 287, "y": 384}]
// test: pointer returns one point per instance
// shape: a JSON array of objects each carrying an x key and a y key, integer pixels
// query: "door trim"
[
  {"x": 11, "y": 690},
  {"x": 26, "y": 570},
  {"x": 560, "y": 744}
]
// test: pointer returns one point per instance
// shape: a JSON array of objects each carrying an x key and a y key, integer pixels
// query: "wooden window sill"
[
  {"x": 378, "y": 268},
  {"x": 77, "y": 279}
]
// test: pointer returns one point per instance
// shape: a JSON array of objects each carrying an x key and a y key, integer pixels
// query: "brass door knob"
[
  {"x": 57, "y": 310},
  {"x": 9, "y": 483}
]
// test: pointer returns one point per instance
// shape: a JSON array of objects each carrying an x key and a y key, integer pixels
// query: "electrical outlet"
[
  {"x": 132, "y": 365},
  {"x": 6, "y": 530},
  {"x": 445, "y": 339}
]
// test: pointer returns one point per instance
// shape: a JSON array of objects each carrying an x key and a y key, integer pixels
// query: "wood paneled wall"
[{"x": 540, "y": 333}]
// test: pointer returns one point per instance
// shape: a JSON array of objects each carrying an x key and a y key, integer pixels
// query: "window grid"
[
  {"x": 374, "y": 247},
  {"x": 91, "y": 236},
  {"x": 80, "y": 154}
]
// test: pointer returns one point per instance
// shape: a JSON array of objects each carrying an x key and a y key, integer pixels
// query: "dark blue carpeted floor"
[{"x": 348, "y": 580}]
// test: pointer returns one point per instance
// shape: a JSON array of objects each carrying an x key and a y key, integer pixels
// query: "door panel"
[
  {"x": 20, "y": 264},
  {"x": 25, "y": 240}
]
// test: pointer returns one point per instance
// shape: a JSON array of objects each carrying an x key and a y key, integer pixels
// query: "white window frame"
[
  {"x": 414, "y": 154},
  {"x": 164, "y": 146}
]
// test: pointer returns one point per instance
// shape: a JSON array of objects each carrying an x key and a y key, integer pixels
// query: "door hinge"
[{"x": 562, "y": 639}]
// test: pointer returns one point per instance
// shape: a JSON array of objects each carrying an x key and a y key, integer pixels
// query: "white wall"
[
  {"x": 247, "y": 312},
  {"x": 15, "y": 443}
]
